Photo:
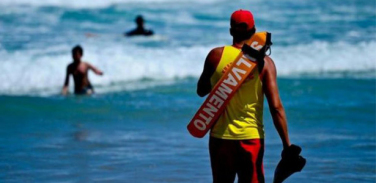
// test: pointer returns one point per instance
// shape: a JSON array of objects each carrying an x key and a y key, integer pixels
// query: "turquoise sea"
[{"x": 134, "y": 128}]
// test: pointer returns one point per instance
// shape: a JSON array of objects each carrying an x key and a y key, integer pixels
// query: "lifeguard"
[{"x": 234, "y": 108}]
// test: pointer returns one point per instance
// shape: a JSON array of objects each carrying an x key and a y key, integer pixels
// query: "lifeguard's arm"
[
  {"x": 66, "y": 83},
  {"x": 211, "y": 62},
  {"x": 269, "y": 77},
  {"x": 96, "y": 71}
]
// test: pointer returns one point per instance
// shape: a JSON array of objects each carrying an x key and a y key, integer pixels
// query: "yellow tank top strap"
[{"x": 229, "y": 54}]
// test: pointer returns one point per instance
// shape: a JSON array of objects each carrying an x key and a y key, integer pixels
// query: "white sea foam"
[
  {"x": 324, "y": 57},
  {"x": 41, "y": 71},
  {"x": 88, "y": 3}
]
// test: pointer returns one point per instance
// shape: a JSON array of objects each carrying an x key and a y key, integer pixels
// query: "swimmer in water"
[
  {"x": 139, "y": 30},
  {"x": 79, "y": 70}
]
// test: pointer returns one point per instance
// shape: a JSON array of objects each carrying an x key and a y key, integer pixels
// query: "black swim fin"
[{"x": 290, "y": 163}]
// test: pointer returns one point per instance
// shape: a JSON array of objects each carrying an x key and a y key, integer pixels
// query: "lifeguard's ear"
[{"x": 231, "y": 32}]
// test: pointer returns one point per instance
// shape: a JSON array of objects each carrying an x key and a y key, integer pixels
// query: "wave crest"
[{"x": 40, "y": 71}]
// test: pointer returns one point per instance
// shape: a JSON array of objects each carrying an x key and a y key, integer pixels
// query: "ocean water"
[{"x": 134, "y": 127}]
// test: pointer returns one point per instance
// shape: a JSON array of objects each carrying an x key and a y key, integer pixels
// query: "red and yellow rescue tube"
[{"x": 227, "y": 86}]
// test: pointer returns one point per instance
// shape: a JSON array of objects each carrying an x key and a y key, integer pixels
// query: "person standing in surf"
[
  {"x": 236, "y": 143},
  {"x": 79, "y": 70}
]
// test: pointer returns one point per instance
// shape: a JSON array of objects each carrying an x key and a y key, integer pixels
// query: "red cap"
[{"x": 242, "y": 16}]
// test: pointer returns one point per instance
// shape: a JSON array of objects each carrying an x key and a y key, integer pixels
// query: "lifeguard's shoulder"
[
  {"x": 269, "y": 67},
  {"x": 269, "y": 63},
  {"x": 214, "y": 56}
]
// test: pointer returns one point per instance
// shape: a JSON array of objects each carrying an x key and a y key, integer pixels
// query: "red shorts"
[{"x": 237, "y": 157}]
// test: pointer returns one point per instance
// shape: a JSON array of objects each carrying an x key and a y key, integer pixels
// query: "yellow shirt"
[{"x": 242, "y": 118}]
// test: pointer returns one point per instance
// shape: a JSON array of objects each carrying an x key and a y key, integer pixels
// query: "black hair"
[
  {"x": 79, "y": 49},
  {"x": 240, "y": 31},
  {"x": 139, "y": 18}
]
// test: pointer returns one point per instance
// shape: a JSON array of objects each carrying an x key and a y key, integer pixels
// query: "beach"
[{"x": 134, "y": 127}]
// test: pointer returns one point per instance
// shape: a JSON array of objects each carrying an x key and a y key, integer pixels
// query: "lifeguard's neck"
[{"x": 238, "y": 44}]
